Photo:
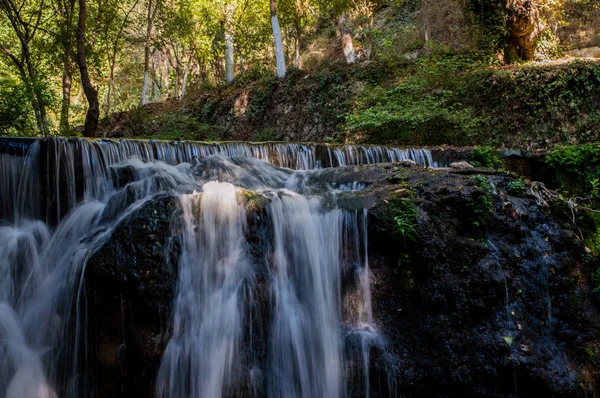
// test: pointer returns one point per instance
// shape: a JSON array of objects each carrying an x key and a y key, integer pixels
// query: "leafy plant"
[
  {"x": 517, "y": 187},
  {"x": 578, "y": 168},
  {"x": 266, "y": 134},
  {"x": 485, "y": 157},
  {"x": 405, "y": 227},
  {"x": 481, "y": 203}
]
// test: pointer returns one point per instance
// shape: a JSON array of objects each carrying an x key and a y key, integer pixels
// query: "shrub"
[
  {"x": 485, "y": 157},
  {"x": 517, "y": 187},
  {"x": 481, "y": 203},
  {"x": 577, "y": 167}
]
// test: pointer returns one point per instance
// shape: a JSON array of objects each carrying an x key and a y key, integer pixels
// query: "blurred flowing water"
[{"x": 301, "y": 328}]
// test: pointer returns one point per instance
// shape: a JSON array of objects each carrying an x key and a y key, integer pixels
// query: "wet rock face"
[
  {"x": 489, "y": 297},
  {"x": 487, "y": 307},
  {"x": 130, "y": 284}
]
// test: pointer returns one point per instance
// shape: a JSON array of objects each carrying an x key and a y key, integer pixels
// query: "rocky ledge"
[{"x": 480, "y": 288}]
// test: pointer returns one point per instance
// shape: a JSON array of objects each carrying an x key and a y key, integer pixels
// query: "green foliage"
[
  {"x": 596, "y": 281},
  {"x": 490, "y": 17},
  {"x": 577, "y": 167},
  {"x": 405, "y": 227},
  {"x": 423, "y": 109},
  {"x": 481, "y": 202},
  {"x": 517, "y": 187},
  {"x": 16, "y": 114},
  {"x": 593, "y": 354},
  {"x": 266, "y": 134},
  {"x": 574, "y": 158},
  {"x": 485, "y": 157}
]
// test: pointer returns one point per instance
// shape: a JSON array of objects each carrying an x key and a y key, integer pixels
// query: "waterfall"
[
  {"x": 286, "y": 315},
  {"x": 46, "y": 178},
  {"x": 203, "y": 355}
]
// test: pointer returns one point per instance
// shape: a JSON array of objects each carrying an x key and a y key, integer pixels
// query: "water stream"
[{"x": 61, "y": 202}]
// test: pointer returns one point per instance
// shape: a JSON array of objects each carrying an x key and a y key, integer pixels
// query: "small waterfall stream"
[{"x": 61, "y": 201}]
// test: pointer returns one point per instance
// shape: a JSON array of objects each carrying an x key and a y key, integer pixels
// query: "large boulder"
[
  {"x": 491, "y": 298},
  {"x": 130, "y": 283}
]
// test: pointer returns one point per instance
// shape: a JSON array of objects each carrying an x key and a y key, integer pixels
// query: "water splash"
[
  {"x": 203, "y": 355},
  {"x": 277, "y": 320}
]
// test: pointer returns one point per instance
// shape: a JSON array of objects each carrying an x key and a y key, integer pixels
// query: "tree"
[
  {"x": 93, "y": 112},
  {"x": 65, "y": 9},
  {"x": 525, "y": 28},
  {"x": 25, "y": 19},
  {"x": 279, "y": 55},
  {"x": 297, "y": 14},
  {"x": 152, "y": 9}
]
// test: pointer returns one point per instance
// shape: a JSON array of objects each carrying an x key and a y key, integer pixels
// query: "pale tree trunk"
[
  {"x": 297, "y": 48},
  {"x": 167, "y": 81},
  {"x": 229, "y": 61},
  {"x": 185, "y": 78},
  {"x": 347, "y": 44},
  {"x": 229, "y": 58},
  {"x": 279, "y": 54},
  {"x": 426, "y": 18},
  {"x": 93, "y": 112}
]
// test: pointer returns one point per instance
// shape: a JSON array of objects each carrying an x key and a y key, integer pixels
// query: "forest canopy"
[{"x": 65, "y": 64}]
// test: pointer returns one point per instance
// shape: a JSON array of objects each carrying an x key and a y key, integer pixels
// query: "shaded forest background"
[{"x": 405, "y": 71}]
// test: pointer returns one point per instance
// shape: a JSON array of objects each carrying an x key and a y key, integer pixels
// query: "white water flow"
[
  {"x": 202, "y": 358},
  {"x": 276, "y": 307},
  {"x": 306, "y": 349}
]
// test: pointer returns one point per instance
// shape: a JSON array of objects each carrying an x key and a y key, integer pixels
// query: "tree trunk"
[
  {"x": 149, "y": 27},
  {"x": 347, "y": 44},
  {"x": 297, "y": 55},
  {"x": 525, "y": 28},
  {"x": 185, "y": 78},
  {"x": 279, "y": 55},
  {"x": 37, "y": 97},
  {"x": 93, "y": 112},
  {"x": 67, "y": 81},
  {"x": 229, "y": 61},
  {"x": 67, "y": 77}
]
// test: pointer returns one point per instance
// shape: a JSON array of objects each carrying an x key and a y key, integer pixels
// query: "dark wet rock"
[
  {"x": 130, "y": 282},
  {"x": 501, "y": 309},
  {"x": 490, "y": 303}
]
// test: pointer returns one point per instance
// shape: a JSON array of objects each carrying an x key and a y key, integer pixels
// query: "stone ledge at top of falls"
[{"x": 491, "y": 298}]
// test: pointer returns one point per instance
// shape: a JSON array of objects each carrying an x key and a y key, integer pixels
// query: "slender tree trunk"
[
  {"x": 93, "y": 112},
  {"x": 67, "y": 77},
  {"x": 67, "y": 81},
  {"x": 229, "y": 61},
  {"x": 149, "y": 27},
  {"x": 426, "y": 19},
  {"x": 298, "y": 32},
  {"x": 185, "y": 78},
  {"x": 229, "y": 57},
  {"x": 37, "y": 98},
  {"x": 347, "y": 44},
  {"x": 279, "y": 55}
]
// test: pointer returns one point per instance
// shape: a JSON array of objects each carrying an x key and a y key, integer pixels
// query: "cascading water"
[{"x": 287, "y": 317}]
